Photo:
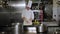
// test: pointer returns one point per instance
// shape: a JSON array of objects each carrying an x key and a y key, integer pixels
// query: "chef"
[{"x": 27, "y": 14}]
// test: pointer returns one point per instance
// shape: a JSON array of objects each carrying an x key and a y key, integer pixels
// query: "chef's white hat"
[{"x": 29, "y": 4}]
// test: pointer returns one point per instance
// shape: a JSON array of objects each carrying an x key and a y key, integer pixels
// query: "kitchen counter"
[
  {"x": 47, "y": 23},
  {"x": 38, "y": 33}
]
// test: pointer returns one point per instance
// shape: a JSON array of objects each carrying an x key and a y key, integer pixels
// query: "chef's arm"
[
  {"x": 22, "y": 15},
  {"x": 32, "y": 16},
  {"x": 23, "y": 18}
]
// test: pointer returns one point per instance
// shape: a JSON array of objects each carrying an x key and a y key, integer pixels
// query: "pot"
[
  {"x": 42, "y": 28},
  {"x": 17, "y": 28},
  {"x": 30, "y": 30}
]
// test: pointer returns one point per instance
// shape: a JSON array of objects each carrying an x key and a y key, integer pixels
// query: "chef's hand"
[
  {"x": 27, "y": 21},
  {"x": 24, "y": 18}
]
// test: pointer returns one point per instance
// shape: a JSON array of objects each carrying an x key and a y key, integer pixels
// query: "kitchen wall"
[
  {"x": 55, "y": 13},
  {"x": 58, "y": 10}
]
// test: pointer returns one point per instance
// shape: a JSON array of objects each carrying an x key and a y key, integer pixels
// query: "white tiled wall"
[{"x": 56, "y": 10}]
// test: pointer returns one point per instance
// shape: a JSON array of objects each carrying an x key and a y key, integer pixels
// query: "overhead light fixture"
[{"x": 18, "y": 5}]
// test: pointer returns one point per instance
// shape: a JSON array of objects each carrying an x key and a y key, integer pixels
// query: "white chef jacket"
[{"x": 28, "y": 14}]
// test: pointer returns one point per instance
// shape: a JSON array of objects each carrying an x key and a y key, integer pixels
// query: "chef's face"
[{"x": 27, "y": 8}]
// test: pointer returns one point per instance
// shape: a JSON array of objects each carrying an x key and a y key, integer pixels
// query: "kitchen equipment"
[
  {"x": 4, "y": 32},
  {"x": 12, "y": 11},
  {"x": 18, "y": 6},
  {"x": 17, "y": 28},
  {"x": 30, "y": 30},
  {"x": 57, "y": 31},
  {"x": 13, "y": 8},
  {"x": 42, "y": 28}
]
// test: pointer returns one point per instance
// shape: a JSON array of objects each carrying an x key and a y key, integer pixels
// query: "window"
[{"x": 34, "y": 6}]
